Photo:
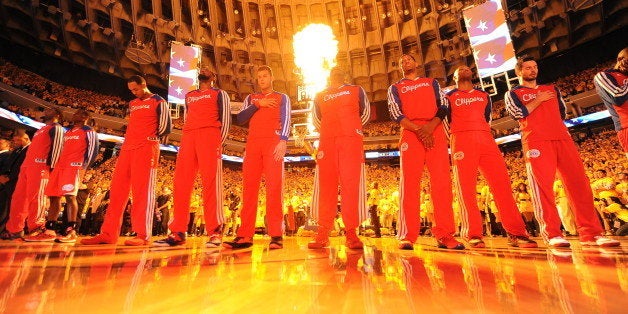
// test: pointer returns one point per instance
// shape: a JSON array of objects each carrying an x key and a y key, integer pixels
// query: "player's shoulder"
[
  {"x": 157, "y": 98},
  {"x": 479, "y": 90},
  {"x": 452, "y": 92},
  {"x": 87, "y": 128}
]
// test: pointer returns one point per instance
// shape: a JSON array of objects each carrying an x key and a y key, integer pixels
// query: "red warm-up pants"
[
  {"x": 199, "y": 152},
  {"x": 28, "y": 202},
  {"x": 473, "y": 150},
  {"x": 258, "y": 160},
  {"x": 622, "y": 136},
  {"x": 543, "y": 158},
  {"x": 413, "y": 157},
  {"x": 135, "y": 172},
  {"x": 340, "y": 162}
]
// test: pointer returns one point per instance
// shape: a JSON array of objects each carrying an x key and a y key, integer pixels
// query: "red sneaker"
[
  {"x": 45, "y": 236},
  {"x": 353, "y": 242},
  {"x": 137, "y": 241},
  {"x": 99, "y": 239},
  {"x": 450, "y": 242}
]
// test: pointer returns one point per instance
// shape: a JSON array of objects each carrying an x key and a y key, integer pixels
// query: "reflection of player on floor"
[
  {"x": 207, "y": 123},
  {"x": 419, "y": 106},
  {"x": 28, "y": 201},
  {"x": 473, "y": 148},
  {"x": 339, "y": 113},
  {"x": 548, "y": 147},
  {"x": 136, "y": 167},
  {"x": 612, "y": 86},
  {"x": 268, "y": 115},
  {"x": 80, "y": 147}
]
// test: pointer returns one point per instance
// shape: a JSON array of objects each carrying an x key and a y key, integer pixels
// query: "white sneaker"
[
  {"x": 600, "y": 241},
  {"x": 558, "y": 242}
]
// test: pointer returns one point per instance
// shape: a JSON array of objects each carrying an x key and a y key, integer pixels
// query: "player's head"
[
  {"x": 137, "y": 86},
  {"x": 265, "y": 77},
  {"x": 80, "y": 116},
  {"x": 526, "y": 68},
  {"x": 407, "y": 64},
  {"x": 205, "y": 75},
  {"x": 463, "y": 73},
  {"x": 622, "y": 61},
  {"x": 337, "y": 76},
  {"x": 52, "y": 114},
  {"x": 20, "y": 138},
  {"x": 4, "y": 144}
]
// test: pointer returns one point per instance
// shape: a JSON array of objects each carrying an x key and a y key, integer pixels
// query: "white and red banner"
[
  {"x": 490, "y": 39},
  {"x": 185, "y": 61}
]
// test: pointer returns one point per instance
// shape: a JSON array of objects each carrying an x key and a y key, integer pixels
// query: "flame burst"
[{"x": 315, "y": 50}]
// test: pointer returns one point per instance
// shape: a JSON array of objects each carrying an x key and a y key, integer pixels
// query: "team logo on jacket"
[
  {"x": 403, "y": 147},
  {"x": 458, "y": 155},
  {"x": 320, "y": 155},
  {"x": 76, "y": 164},
  {"x": 67, "y": 187},
  {"x": 533, "y": 153}
]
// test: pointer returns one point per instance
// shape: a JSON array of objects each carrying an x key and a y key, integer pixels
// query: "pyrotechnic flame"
[{"x": 315, "y": 50}]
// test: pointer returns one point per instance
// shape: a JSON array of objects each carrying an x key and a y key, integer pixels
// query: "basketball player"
[
  {"x": 268, "y": 115},
  {"x": 419, "y": 106},
  {"x": 136, "y": 166},
  {"x": 473, "y": 148},
  {"x": 29, "y": 201},
  {"x": 548, "y": 147},
  {"x": 612, "y": 86},
  {"x": 207, "y": 122},
  {"x": 339, "y": 113},
  {"x": 80, "y": 147}
]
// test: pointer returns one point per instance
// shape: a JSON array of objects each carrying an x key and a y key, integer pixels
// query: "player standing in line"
[
  {"x": 207, "y": 122},
  {"x": 28, "y": 201},
  {"x": 80, "y": 147},
  {"x": 339, "y": 112},
  {"x": 612, "y": 86},
  {"x": 419, "y": 106},
  {"x": 268, "y": 115},
  {"x": 136, "y": 167},
  {"x": 473, "y": 148},
  {"x": 548, "y": 147}
]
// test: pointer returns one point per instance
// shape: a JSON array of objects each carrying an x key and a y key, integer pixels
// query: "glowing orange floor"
[{"x": 57, "y": 278}]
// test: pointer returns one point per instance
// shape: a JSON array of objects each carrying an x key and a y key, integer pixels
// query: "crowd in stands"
[
  {"x": 582, "y": 81},
  {"x": 62, "y": 95}
]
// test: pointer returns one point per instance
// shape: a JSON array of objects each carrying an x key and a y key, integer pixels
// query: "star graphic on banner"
[
  {"x": 181, "y": 62},
  {"x": 490, "y": 58},
  {"x": 179, "y": 90},
  {"x": 170, "y": 81},
  {"x": 476, "y": 54},
  {"x": 482, "y": 26}
]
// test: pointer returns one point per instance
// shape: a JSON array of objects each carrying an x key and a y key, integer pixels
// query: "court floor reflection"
[{"x": 58, "y": 278}]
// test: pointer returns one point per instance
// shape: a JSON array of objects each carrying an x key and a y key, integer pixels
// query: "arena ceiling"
[{"x": 126, "y": 37}]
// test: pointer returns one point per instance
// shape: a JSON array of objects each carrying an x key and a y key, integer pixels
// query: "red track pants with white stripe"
[
  {"x": 28, "y": 202},
  {"x": 413, "y": 157},
  {"x": 473, "y": 150},
  {"x": 543, "y": 158},
  {"x": 135, "y": 172},
  {"x": 340, "y": 162},
  {"x": 259, "y": 160},
  {"x": 199, "y": 152}
]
